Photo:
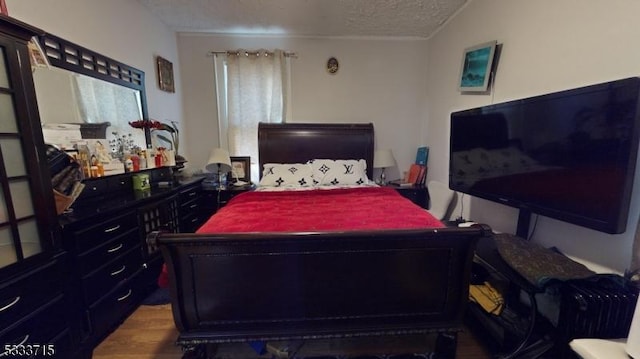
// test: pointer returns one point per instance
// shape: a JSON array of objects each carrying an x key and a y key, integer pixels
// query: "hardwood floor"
[{"x": 149, "y": 333}]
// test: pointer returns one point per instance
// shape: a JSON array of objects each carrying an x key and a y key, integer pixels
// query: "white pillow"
[
  {"x": 287, "y": 175},
  {"x": 339, "y": 172}
]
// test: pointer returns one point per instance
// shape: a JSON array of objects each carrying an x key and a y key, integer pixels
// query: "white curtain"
[{"x": 252, "y": 88}]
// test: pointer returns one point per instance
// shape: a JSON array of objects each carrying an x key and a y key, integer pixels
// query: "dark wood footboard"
[{"x": 275, "y": 286}]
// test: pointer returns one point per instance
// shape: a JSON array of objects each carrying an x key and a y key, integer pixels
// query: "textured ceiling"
[{"x": 379, "y": 18}]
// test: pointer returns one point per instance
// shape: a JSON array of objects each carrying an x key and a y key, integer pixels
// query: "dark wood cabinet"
[
  {"x": 105, "y": 237},
  {"x": 34, "y": 308},
  {"x": 213, "y": 198},
  {"x": 106, "y": 255},
  {"x": 416, "y": 194},
  {"x": 158, "y": 215},
  {"x": 192, "y": 208},
  {"x": 34, "y": 297}
]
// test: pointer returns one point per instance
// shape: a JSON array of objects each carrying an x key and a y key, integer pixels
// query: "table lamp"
[
  {"x": 383, "y": 159},
  {"x": 219, "y": 162}
]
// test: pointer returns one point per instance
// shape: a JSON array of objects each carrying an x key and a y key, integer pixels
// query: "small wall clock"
[{"x": 332, "y": 65}]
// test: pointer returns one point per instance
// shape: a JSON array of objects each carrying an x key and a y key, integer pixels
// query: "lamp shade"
[
  {"x": 383, "y": 159},
  {"x": 219, "y": 161}
]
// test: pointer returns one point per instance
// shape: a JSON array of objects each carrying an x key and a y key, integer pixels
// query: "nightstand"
[
  {"x": 211, "y": 195},
  {"x": 416, "y": 194}
]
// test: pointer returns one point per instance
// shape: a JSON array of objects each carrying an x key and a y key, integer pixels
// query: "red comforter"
[
  {"x": 316, "y": 210},
  {"x": 319, "y": 210}
]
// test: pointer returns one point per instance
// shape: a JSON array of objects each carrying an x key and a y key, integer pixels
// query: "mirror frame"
[{"x": 69, "y": 56}]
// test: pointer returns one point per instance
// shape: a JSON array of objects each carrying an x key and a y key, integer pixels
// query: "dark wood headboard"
[{"x": 300, "y": 142}]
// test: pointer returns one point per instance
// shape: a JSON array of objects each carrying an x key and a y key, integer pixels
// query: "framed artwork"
[
  {"x": 165, "y": 74},
  {"x": 240, "y": 169},
  {"x": 475, "y": 71}
]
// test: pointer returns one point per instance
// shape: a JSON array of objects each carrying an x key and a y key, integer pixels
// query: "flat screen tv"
[{"x": 569, "y": 155}]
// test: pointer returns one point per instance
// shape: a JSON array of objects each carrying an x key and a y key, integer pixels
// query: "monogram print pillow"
[
  {"x": 339, "y": 172},
  {"x": 286, "y": 175}
]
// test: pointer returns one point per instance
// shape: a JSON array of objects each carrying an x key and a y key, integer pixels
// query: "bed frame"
[{"x": 317, "y": 285}]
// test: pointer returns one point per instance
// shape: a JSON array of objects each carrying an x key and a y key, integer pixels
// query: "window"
[{"x": 252, "y": 87}]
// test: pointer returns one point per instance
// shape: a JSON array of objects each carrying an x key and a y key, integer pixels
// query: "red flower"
[
  {"x": 151, "y": 124},
  {"x": 138, "y": 124}
]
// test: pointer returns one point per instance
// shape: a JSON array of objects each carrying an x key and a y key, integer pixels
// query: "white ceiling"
[{"x": 376, "y": 18}]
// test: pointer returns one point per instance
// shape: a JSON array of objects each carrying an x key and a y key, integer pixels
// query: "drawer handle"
[
  {"x": 194, "y": 220},
  {"x": 13, "y": 302},
  {"x": 112, "y": 229},
  {"x": 193, "y": 206},
  {"x": 115, "y": 249},
  {"x": 125, "y": 296},
  {"x": 26, "y": 337},
  {"x": 119, "y": 270}
]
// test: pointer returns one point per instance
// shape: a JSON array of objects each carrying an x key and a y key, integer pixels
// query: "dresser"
[
  {"x": 34, "y": 292},
  {"x": 105, "y": 238}
]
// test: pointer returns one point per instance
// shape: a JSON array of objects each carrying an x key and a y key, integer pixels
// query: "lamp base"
[{"x": 383, "y": 179}]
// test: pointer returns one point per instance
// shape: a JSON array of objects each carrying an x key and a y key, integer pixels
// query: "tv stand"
[{"x": 517, "y": 332}]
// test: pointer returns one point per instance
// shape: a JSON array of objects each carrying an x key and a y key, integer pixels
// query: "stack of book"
[{"x": 417, "y": 174}]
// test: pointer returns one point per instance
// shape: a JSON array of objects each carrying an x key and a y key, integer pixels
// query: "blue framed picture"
[{"x": 475, "y": 71}]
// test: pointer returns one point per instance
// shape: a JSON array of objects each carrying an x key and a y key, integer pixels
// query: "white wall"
[
  {"x": 121, "y": 29},
  {"x": 548, "y": 45},
  {"x": 381, "y": 81}
]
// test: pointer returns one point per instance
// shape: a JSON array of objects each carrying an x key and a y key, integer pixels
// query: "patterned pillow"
[
  {"x": 339, "y": 172},
  {"x": 287, "y": 175}
]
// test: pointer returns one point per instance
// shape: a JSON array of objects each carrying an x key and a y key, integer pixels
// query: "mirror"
[
  {"x": 65, "y": 97},
  {"x": 87, "y": 95}
]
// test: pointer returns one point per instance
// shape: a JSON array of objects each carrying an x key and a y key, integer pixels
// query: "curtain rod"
[{"x": 235, "y": 52}]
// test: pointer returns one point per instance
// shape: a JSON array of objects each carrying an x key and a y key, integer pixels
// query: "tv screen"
[{"x": 568, "y": 155}]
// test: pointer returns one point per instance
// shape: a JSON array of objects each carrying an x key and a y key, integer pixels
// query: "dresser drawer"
[
  {"x": 63, "y": 343},
  {"x": 93, "y": 188},
  {"x": 40, "y": 327},
  {"x": 192, "y": 221},
  {"x": 191, "y": 206},
  {"x": 189, "y": 195},
  {"x": 108, "y": 251},
  {"x": 98, "y": 283},
  {"x": 120, "y": 183},
  {"x": 19, "y": 297},
  {"x": 112, "y": 308},
  {"x": 91, "y": 237}
]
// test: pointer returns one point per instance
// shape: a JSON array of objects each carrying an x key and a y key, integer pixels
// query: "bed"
[{"x": 323, "y": 283}]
